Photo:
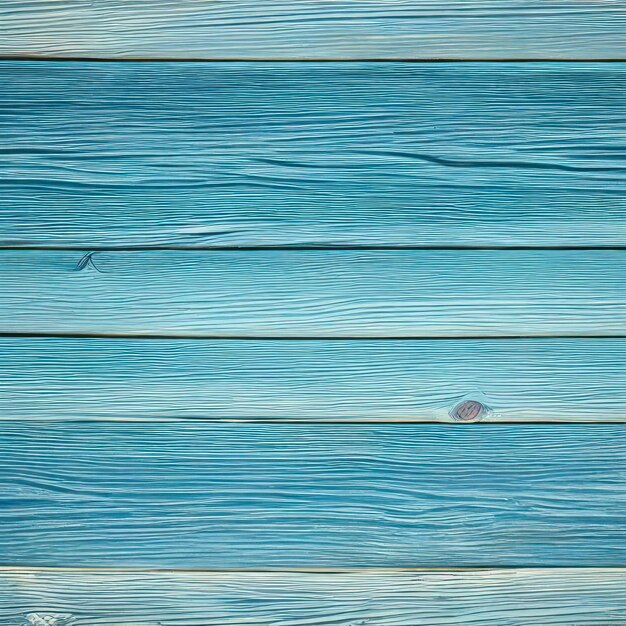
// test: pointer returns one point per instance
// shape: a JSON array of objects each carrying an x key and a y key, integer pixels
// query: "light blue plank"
[
  {"x": 472, "y": 598},
  {"x": 313, "y": 29},
  {"x": 525, "y": 380},
  {"x": 328, "y": 154},
  {"x": 254, "y": 496},
  {"x": 330, "y": 293}
]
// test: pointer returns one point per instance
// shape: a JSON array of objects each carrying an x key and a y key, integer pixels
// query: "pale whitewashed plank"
[
  {"x": 374, "y": 598},
  {"x": 314, "y": 29}
]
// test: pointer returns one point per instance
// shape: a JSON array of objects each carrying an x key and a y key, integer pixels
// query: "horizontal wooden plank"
[
  {"x": 330, "y": 293},
  {"x": 305, "y": 154},
  {"x": 473, "y": 598},
  {"x": 310, "y": 29},
  {"x": 213, "y": 496},
  {"x": 522, "y": 380}
]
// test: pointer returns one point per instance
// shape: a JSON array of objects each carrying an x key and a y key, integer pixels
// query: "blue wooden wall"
[{"x": 312, "y": 313}]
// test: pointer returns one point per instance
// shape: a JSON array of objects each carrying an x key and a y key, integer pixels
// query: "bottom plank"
[{"x": 32, "y": 597}]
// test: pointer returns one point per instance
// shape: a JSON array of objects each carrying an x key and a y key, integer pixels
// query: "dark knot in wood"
[{"x": 468, "y": 411}]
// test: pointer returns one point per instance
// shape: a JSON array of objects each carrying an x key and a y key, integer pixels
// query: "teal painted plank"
[
  {"x": 523, "y": 380},
  {"x": 330, "y": 293},
  {"x": 593, "y": 597},
  {"x": 213, "y": 496},
  {"x": 322, "y": 154},
  {"x": 312, "y": 29}
]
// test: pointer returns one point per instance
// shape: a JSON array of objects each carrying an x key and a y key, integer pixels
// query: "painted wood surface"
[
  {"x": 304, "y": 293},
  {"x": 327, "y": 154},
  {"x": 593, "y": 597},
  {"x": 215, "y": 496},
  {"x": 310, "y": 29},
  {"x": 522, "y": 380}
]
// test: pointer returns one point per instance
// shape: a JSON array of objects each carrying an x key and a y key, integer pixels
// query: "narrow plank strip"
[
  {"x": 248, "y": 495},
  {"x": 524, "y": 380},
  {"x": 473, "y": 598},
  {"x": 327, "y": 154},
  {"x": 310, "y": 29},
  {"x": 331, "y": 293}
]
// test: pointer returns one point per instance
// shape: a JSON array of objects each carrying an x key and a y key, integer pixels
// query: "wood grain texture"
[
  {"x": 524, "y": 380},
  {"x": 305, "y": 154},
  {"x": 216, "y": 496},
  {"x": 330, "y": 293},
  {"x": 310, "y": 29},
  {"x": 593, "y": 597}
]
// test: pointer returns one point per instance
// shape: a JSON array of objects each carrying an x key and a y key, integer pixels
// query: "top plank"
[
  {"x": 205, "y": 155},
  {"x": 315, "y": 29}
]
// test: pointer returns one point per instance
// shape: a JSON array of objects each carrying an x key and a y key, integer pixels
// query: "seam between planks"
[
  {"x": 6, "y": 569},
  {"x": 297, "y": 248},
  {"x": 165, "y": 59},
  {"x": 310, "y": 422},
  {"x": 208, "y": 337}
]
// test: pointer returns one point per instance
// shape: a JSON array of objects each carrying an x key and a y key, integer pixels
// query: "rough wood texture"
[
  {"x": 248, "y": 495},
  {"x": 312, "y": 29},
  {"x": 331, "y": 293},
  {"x": 376, "y": 154},
  {"x": 522, "y": 380},
  {"x": 593, "y": 597}
]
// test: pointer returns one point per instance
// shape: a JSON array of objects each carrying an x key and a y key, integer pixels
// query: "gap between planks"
[
  {"x": 409, "y": 421},
  {"x": 423, "y": 61},
  {"x": 298, "y": 248},
  {"x": 8, "y": 569},
  {"x": 166, "y": 336}
]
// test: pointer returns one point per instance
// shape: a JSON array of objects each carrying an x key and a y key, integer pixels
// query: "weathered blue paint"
[
  {"x": 391, "y": 155},
  {"x": 520, "y": 380},
  {"x": 473, "y": 598},
  {"x": 304, "y": 293},
  {"x": 325, "y": 495},
  {"x": 315, "y": 29},
  {"x": 331, "y": 154}
]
